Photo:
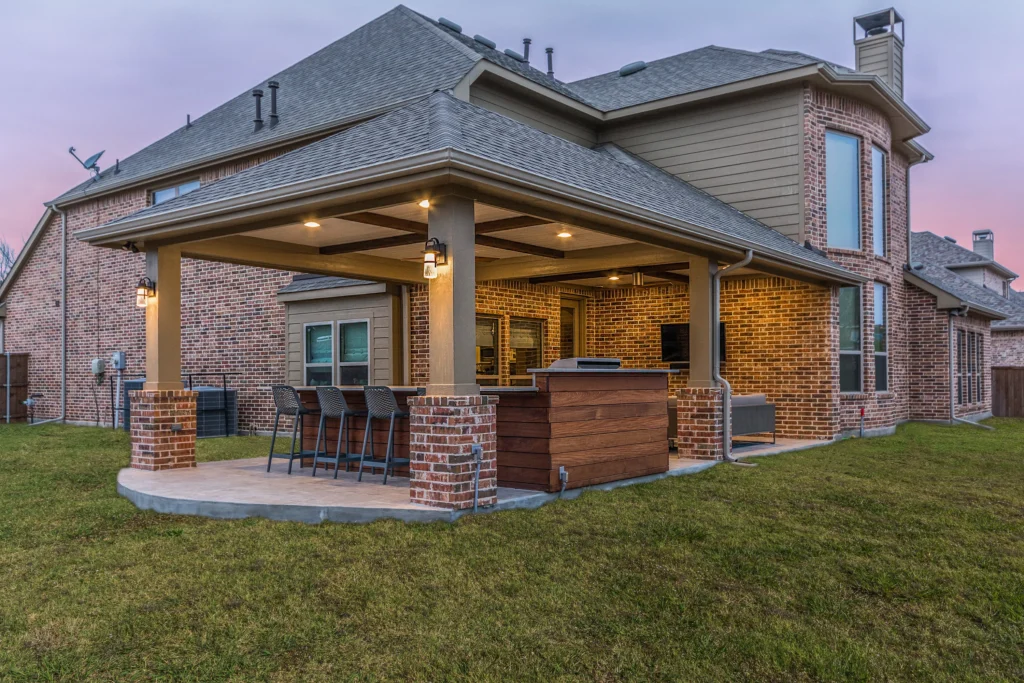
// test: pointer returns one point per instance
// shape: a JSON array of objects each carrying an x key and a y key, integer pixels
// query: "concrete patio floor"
[{"x": 235, "y": 489}]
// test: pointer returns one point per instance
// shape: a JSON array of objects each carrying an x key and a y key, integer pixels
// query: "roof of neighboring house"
[
  {"x": 699, "y": 69},
  {"x": 928, "y": 247},
  {"x": 977, "y": 297},
  {"x": 442, "y": 122},
  {"x": 312, "y": 283}
]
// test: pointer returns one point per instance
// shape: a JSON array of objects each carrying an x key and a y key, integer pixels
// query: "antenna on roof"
[{"x": 90, "y": 163}]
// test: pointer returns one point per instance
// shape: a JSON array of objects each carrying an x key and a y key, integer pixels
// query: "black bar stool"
[
  {"x": 382, "y": 405},
  {"x": 334, "y": 406},
  {"x": 287, "y": 402}
]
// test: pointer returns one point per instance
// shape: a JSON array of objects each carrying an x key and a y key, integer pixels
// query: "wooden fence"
[
  {"x": 1008, "y": 392},
  {"x": 13, "y": 386}
]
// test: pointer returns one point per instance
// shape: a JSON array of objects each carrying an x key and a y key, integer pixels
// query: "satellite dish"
[{"x": 90, "y": 163}]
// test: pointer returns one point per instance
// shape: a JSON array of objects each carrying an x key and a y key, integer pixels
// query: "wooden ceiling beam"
[
  {"x": 370, "y": 245},
  {"x": 509, "y": 245}
]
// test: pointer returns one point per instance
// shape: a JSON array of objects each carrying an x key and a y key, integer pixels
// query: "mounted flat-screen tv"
[{"x": 675, "y": 343}]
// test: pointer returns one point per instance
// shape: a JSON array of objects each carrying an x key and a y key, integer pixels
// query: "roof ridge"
[
  {"x": 445, "y": 129},
  {"x": 425, "y": 21},
  {"x": 751, "y": 53}
]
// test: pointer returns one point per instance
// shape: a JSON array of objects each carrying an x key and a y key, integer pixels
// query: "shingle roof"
[
  {"x": 699, "y": 69},
  {"x": 964, "y": 289},
  {"x": 306, "y": 283},
  {"x": 443, "y": 122},
  {"x": 927, "y": 247},
  {"x": 389, "y": 61}
]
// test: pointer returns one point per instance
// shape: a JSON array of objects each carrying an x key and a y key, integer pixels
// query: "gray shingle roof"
[
  {"x": 389, "y": 61},
  {"x": 927, "y": 247},
  {"x": 305, "y": 283},
  {"x": 706, "y": 67},
  {"x": 443, "y": 122},
  {"x": 964, "y": 289}
]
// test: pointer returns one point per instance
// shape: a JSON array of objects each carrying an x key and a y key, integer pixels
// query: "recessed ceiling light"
[
  {"x": 564, "y": 234},
  {"x": 613, "y": 278},
  {"x": 425, "y": 203},
  {"x": 311, "y": 224}
]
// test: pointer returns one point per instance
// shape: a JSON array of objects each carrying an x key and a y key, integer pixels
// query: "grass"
[{"x": 897, "y": 558}]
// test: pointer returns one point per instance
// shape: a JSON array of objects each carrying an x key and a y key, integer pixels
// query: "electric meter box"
[
  {"x": 99, "y": 366},
  {"x": 118, "y": 361}
]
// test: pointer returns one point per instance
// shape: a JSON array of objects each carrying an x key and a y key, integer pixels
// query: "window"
[
  {"x": 970, "y": 367},
  {"x": 842, "y": 190},
  {"x": 487, "y": 351},
  {"x": 163, "y": 194},
  {"x": 878, "y": 168},
  {"x": 850, "y": 350},
  {"x": 354, "y": 352},
  {"x": 525, "y": 349},
  {"x": 318, "y": 359},
  {"x": 881, "y": 337}
]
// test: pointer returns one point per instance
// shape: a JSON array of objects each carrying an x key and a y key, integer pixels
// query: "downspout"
[
  {"x": 960, "y": 312},
  {"x": 715, "y": 365},
  {"x": 63, "y": 318}
]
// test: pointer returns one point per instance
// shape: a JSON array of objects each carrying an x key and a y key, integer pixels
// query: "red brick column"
[
  {"x": 699, "y": 411},
  {"x": 163, "y": 429},
  {"x": 442, "y": 431}
]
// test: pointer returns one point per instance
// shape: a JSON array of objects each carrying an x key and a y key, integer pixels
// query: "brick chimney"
[
  {"x": 878, "y": 39},
  {"x": 984, "y": 244}
]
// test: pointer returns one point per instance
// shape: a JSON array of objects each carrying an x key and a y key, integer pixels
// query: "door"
[{"x": 570, "y": 329}]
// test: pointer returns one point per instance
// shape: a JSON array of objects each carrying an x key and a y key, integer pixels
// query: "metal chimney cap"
[
  {"x": 256, "y": 92},
  {"x": 273, "y": 84}
]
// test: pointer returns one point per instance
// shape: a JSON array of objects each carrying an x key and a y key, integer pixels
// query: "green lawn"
[{"x": 892, "y": 558}]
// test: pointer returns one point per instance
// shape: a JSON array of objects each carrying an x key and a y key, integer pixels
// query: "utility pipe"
[
  {"x": 63, "y": 319},
  {"x": 716, "y": 356},
  {"x": 960, "y": 312}
]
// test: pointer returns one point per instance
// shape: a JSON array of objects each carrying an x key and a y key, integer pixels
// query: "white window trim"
[
  {"x": 885, "y": 289},
  {"x": 338, "y": 363},
  {"x": 334, "y": 352},
  {"x": 885, "y": 202},
  {"x": 860, "y": 351}
]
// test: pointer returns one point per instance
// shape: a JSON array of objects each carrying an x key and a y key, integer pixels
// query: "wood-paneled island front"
[{"x": 600, "y": 425}]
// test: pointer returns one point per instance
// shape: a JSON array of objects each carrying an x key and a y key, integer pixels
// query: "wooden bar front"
[{"x": 601, "y": 426}]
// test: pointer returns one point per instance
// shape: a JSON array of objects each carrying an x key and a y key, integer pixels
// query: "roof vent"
[
  {"x": 916, "y": 265},
  {"x": 949, "y": 239},
  {"x": 448, "y": 23},
  {"x": 526, "y": 49},
  {"x": 258, "y": 96},
  {"x": 273, "y": 85},
  {"x": 632, "y": 68},
  {"x": 550, "y": 51},
  {"x": 485, "y": 41},
  {"x": 515, "y": 55}
]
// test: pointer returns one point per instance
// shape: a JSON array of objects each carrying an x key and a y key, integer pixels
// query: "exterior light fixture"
[
  {"x": 434, "y": 254},
  {"x": 144, "y": 291},
  {"x": 613, "y": 278},
  {"x": 565, "y": 234},
  {"x": 311, "y": 224},
  {"x": 425, "y": 203}
]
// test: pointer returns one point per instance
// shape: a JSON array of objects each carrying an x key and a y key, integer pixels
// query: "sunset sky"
[{"x": 120, "y": 74}]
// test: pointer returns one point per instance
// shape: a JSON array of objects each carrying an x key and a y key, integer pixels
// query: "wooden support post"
[
  {"x": 163, "y": 320},
  {"x": 702, "y": 331}
]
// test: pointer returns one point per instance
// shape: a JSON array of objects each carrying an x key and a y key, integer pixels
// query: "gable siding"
[
  {"x": 745, "y": 152},
  {"x": 490, "y": 97}
]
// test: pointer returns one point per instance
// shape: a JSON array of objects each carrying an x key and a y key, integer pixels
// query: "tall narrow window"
[
  {"x": 881, "y": 337},
  {"x": 850, "y": 348},
  {"x": 970, "y": 367},
  {"x": 487, "y": 351},
  {"x": 842, "y": 190},
  {"x": 961, "y": 357},
  {"x": 318, "y": 358},
  {"x": 525, "y": 350},
  {"x": 354, "y": 352},
  {"x": 878, "y": 176}
]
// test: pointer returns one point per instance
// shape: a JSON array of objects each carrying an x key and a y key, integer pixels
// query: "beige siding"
[
  {"x": 882, "y": 57},
  {"x": 489, "y": 96},
  {"x": 745, "y": 152},
  {"x": 379, "y": 309}
]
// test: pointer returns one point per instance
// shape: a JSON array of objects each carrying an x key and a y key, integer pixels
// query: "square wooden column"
[
  {"x": 452, "y": 300},
  {"x": 699, "y": 418},
  {"x": 163, "y": 414}
]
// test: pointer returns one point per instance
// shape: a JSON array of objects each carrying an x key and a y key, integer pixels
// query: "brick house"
[{"x": 602, "y": 210}]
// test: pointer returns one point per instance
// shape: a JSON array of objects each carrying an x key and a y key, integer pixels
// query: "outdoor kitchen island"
[{"x": 599, "y": 422}]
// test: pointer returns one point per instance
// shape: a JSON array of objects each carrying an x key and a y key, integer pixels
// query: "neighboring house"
[
  {"x": 702, "y": 155},
  {"x": 981, "y": 281}
]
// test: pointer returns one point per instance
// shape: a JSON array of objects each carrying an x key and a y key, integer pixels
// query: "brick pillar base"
[
  {"x": 163, "y": 429},
  {"x": 442, "y": 431},
  {"x": 700, "y": 423}
]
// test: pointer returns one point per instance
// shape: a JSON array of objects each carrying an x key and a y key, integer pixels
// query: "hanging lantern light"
[
  {"x": 434, "y": 254},
  {"x": 143, "y": 291}
]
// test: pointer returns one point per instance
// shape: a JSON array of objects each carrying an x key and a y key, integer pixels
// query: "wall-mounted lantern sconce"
[
  {"x": 434, "y": 254},
  {"x": 143, "y": 291},
  {"x": 638, "y": 279}
]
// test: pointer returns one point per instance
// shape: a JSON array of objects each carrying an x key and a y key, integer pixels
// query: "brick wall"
[
  {"x": 825, "y": 111},
  {"x": 1007, "y": 348},
  {"x": 980, "y": 325},
  {"x": 928, "y": 369},
  {"x": 231, "y": 320}
]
